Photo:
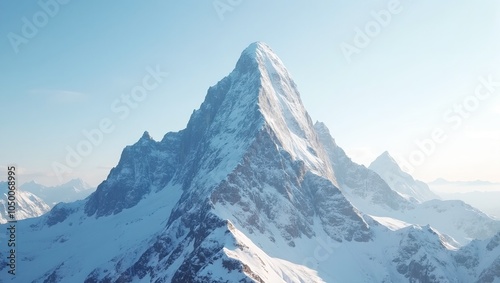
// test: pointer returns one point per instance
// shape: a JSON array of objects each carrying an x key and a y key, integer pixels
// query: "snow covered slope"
[
  {"x": 372, "y": 195},
  {"x": 481, "y": 194},
  {"x": 400, "y": 181},
  {"x": 358, "y": 182},
  {"x": 485, "y": 201},
  {"x": 248, "y": 192},
  {"x": 452, "y": 217},
  {"x": 28, "y": 205}
]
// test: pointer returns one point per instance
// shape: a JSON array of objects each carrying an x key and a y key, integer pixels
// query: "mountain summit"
[
  {"x": 400, "y": 181},
  {"x": 249, "y": 160},
  {"x": 258, "y": 56},
  {"x": 249, "y": 191}
]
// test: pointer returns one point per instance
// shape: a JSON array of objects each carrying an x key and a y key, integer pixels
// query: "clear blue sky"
[{"x": 70, "y": 72}]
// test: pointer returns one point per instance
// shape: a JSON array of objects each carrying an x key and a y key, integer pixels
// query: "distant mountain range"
[
  {"x": 441, "y": 182},
  {"x": 34, "y": 199},
  {"x": 481, "y": 194},
  {"x": 73, "y": 190}
]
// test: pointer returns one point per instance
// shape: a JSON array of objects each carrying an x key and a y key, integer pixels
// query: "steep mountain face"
[
  {"x": 28, "y": 205},
  {"x": 144, "y": 167},
  {"x": 363, "y": 187},
  {"x": 249, "y": 157},
  {"x": 68, "y": 192},
  {"x": 250, "y": 191},
  {"x": 480, "y": 260},
  {"x": 400, "y": 181}
]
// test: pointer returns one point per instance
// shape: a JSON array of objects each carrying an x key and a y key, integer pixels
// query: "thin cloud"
[{"x": 57, "y": 95}]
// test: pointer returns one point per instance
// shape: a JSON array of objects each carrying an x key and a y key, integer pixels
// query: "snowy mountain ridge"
[
  {"x": 249, "y": 191},
  {"x": 453, "y": 217},
  {"x": 400, "y": 181},
  {"x": 28, "y": 205}
]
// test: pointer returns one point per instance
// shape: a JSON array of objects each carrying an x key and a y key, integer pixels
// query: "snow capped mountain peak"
[
  {"x": 283, "y": 111},
  {"x": 256, "y": 48},
  {"x": 258, "y": 96},
  {"x": 385, "y": 160},
  {"x": 400, "y": 181},
  {"x": 257, "y": 101},
  {"x": 386, "y": 155},
  {"x": 260, "y": 55}
]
